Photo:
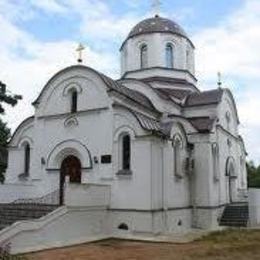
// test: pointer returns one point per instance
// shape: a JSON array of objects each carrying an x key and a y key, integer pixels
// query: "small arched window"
[
  {"x": 177, "y": 146},
  {"x": 27, "y": 155},
  {"x": 169, "y": 56},
  {"x": 144, "y": 56},
  {"x": 188, "y": 59},
  {"x": 74, "y": 101},
  {"x": 215, "y": 158},
  {"x": 126, "y": 152},
  {"x": 228, "y": 120}
]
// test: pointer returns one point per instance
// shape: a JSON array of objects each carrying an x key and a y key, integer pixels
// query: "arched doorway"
[
  {"x": 232, "y": 178},
  {"x": 71, "y": 166}
]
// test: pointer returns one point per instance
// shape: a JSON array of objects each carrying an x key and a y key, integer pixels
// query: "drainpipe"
[
  {"x": 192, "y": 186},
  {"x": 164, "y": 196}
]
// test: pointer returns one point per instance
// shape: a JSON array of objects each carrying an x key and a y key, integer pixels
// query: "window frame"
[
  {"x": 177, "y": 145},
  {"x": 74, "y": 101},
  {"x": 27, "y": 158},
  {"x": 169, "y": 55},
  {"x": 144, "y": 56},
  {"x": 126, "y": 152}
]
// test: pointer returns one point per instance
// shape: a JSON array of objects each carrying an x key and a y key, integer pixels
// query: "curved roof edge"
[
  {"x": 56, "y": 75},
  {"x": 24, "y": 122},
  {"x": 110, "y": 83},
  {"x": 233, "y": 101}
]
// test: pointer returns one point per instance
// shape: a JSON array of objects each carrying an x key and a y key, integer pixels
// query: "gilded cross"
[
  {"x": 156, "y": 6},
  {"x": 80, "y": 50},
  {"x": 219, "y": 79}
]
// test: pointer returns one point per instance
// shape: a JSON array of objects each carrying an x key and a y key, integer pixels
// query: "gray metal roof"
[
  {"x": 157, "y": 24},
  {"x": 177, "y": 93},
  {"x": 134, "y": 95},
  {"x": 204, "y": 98},
  {"x": 202, "y": 124},
  {"x": 147, "y": 123}
]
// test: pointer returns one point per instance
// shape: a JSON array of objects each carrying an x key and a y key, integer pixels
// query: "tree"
[
  {"x": 4, "y": 137},
  {"x": 253, "y": 175},
  {"x": 10, "y": 99}
]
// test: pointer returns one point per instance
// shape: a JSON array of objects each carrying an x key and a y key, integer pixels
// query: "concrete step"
[{"x": 235, "y": 215}]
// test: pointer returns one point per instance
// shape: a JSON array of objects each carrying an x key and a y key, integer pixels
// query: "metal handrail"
[{"x": 49, "y": 199}]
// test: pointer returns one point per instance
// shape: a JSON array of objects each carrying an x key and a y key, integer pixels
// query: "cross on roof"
[
  {"x": 219, "y": 79},
  {"x": 80, "y": 50},
  {"x": 156, "y": 6}
]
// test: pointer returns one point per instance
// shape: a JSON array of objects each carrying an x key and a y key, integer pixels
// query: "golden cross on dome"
[
  {"x": 156, "y": 7},
  {"x": 80, "y": 50},
  {"x": 219, "y": 79}
]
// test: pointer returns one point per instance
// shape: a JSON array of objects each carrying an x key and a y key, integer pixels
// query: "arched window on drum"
[
  {"x": 144, "y": 56},
  {"x": 169, "y": 56}
]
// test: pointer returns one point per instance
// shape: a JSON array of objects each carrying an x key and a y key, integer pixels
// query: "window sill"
[{"x": 125, "y": 174}]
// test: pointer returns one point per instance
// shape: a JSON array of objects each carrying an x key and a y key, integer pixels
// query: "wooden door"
[{"x": 71, "y": 167}]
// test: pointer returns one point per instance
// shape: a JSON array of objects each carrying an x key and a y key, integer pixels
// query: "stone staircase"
[
  {"x": 11, "y": 213},
  {"x": 235, "y": 215}
]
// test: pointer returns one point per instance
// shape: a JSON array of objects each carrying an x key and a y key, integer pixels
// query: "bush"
[{"x": 5, "y": 253}]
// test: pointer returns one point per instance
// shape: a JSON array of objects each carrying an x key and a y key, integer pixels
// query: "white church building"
[{"x": 147, "y": 153}]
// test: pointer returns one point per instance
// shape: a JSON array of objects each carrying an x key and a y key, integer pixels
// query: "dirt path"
[{"x": 238, "y": 245}]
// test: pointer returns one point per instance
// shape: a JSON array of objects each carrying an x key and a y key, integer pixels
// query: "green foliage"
[
  {"x": 5, "y": 254},
  {"x": 4, "y": 138},
  {"x": 253, "y": 175},
  {"x": 10, "y": 99}
]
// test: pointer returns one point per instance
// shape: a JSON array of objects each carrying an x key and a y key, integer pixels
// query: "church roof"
[
  {"x": 157, "y": 24},
  {"x": 147, "y": 123},
  {"x": 171, "y": 81},
  {"x": 134, "y": 95},
  {"x": 202, "y": 124},
  {"x": 176, "y": 93},
  {"x": 204, "y": 98}
]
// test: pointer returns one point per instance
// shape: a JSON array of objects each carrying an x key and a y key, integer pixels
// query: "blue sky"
[
  {"x": 199, "y": 13},
  {"x": 39, "y": 37}
]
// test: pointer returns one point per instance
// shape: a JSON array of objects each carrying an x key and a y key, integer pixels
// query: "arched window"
[
  {"x": 126, "y": 152},
  {"x": 188, "y": 59},
  {"x": 169, "y": 56},
  {"x": 177, "y": 146},
  {"x": 27, "y": 155},
  {"x": 230, "y": 167},
  {"x": 228, "y": 120},
  {"x": 74, "y": 101},
  {"x": 215, "y": 158},
  {"x": 144, "y": 56}
]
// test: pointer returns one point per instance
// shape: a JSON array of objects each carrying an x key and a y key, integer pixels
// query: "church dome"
[
  {"x": 154, "y": 43},
  {"x": 155, "y": 25}
]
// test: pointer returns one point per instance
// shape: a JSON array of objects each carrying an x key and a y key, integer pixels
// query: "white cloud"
[
  {"x": 49, "y": 6},
  {"x": 232, "y": 47},
  {"x": 26, "y": 63}
]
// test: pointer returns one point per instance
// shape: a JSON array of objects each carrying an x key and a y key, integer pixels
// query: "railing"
[{"x": 52, "y": 198}]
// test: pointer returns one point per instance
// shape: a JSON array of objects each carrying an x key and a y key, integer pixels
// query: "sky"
[{"x": 39, "y": 37}]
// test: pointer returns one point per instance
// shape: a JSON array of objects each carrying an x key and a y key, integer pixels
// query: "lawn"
[{"x": 230, "y": 244}]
